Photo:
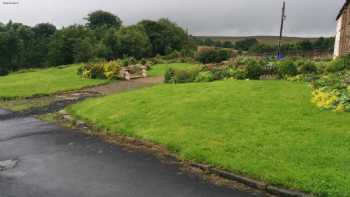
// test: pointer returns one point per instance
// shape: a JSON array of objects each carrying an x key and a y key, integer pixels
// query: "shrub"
[
  {"x": 287, "y": 68},
  {"x": 211, "y": 55},
  {"x": 169, "y": 76},
  {"x": 254, "y": 70},
  {"x": 307, "y": 67},
  {"x": 112, "y": 70},
  {"x": 4, "y": 71},
  {"x": 181, "y": 75},
  {"x": 108, "y": 70},
  {"x": 239, "y": 74},
  {"x": 186, "y": 75},
  {"x": 205, "y": 76},
  {"x": 337, "y": 65},
  {"x": 332, "y": 92}
]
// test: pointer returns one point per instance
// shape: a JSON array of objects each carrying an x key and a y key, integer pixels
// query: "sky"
[{"x": 305, "y": 18}]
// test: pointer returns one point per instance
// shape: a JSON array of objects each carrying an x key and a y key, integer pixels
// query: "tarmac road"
[{"x": 55, "y": 162}]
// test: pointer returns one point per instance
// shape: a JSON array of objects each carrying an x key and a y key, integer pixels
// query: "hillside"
[{"x": 270, "y": 40}]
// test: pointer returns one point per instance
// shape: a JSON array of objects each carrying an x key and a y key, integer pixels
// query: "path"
[
  {"x": 56, "y": 162},
  {"x": 121, "y": 86}
]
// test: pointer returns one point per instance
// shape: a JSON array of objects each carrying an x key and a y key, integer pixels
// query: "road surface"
[{"x": 56, "y": 162}]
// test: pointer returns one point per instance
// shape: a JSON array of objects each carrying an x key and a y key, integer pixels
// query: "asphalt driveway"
[{"x": 55, "y": 162}]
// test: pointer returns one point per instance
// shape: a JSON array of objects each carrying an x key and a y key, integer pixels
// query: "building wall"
[
  {"x": 337, "y": 38},
  {"x": 344, "y": 37}
]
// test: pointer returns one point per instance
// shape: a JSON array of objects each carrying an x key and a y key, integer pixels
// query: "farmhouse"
[{"x": 342, "y": 40}]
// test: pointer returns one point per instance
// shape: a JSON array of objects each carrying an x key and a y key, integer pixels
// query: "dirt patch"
[{"x": 122, "y": 86}]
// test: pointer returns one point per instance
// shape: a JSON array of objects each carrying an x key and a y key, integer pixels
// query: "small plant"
[
  {"x": 169, "y": 76},
  {"x": 307, "y": 67},
  {"x": 286, "y": 68},
  {"x": 205, "y": 76},
  {"x": 186, "y": 75},
  {"x": 107, "y": 70},
  {"x": 254, "y": 70}
]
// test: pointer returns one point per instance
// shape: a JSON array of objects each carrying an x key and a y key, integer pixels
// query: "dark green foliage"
[
  {"x": 246, "y": 44},
  {"x": 254, "y": 69},
  {"x": 133, "y": 42},
  {"x": 43, "y": 30},
  {"x": 103, "y": 19},
  {"x": 287, "y": 68},
  {"x": 101, "y": 38},
  {"x": 213, "y": 55},
  {"x": 306, "y": 67},
  {"x": 228, "y": 44},
  {"x": 169, "y": 76},
  {"x": 339, "y": 64},
  {"x": 67, "y": 45},
  {"x": 186, "y": 75},
  {"x": 181, "y": 75},
  {"x": 165, "y": 36}
]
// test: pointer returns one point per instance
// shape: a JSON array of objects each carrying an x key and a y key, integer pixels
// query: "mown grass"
[
  {"x": 268, "y": 130},
  {"x": 160, "y": 69},
  {"x": 43, "y": 82}
]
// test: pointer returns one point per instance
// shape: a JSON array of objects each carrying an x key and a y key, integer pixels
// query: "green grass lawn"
[
  {"x": 160, "y": 69},
  {"x": 268, "y": 130},
  {"x": 43, "y": 81}
]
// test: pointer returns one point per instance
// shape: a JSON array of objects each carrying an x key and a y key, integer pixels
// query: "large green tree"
[
  {"x": 133, "y": 42},
  {"x": 103, "y": 19},
  {"x": 165, "y": 36}
]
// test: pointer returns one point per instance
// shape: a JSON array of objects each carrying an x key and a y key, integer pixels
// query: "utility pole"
[{"x": 283, "y": 18}]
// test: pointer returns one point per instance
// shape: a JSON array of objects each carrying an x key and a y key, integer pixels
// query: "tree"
[
  {"x": 306, "y": 45},
  {"x": 246, "y": 44},
  {"x": 165, "y": 36},
  {"x": 84, "y": 51},
  {"x": 44, "y": 30},
  {"x": 228, "y": 44},
  {"x": 103, "y": 19},
  {"x": 133, "y": 42},
  {"x": 62, "y": 47}
]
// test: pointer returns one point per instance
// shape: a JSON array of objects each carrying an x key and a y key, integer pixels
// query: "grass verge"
[
  {"x": 268, "y": 130},
  {"x": 43, "y": 82}
]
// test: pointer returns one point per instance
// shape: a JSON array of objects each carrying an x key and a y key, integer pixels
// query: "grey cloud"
[{"x": 200, "y": 17}]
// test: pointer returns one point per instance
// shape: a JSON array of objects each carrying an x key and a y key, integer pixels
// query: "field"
[
  {"x": 269, "y": 40},
  {"x": 43, "y": 82},
  {"x": 160, "y": 69},
  {"x": 268, "y": 130}
]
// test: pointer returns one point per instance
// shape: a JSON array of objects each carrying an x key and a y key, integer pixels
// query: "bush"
[
  {"x": 254, "y": 69},
  {"x": 169, "y": 76},
  {"x": 181, "y": 75},
  {"x": 239, "y": 74},
  {"x": 337, "y": 65},
  {"x": 108, "y": 70},
  {"x": 307, "y": 67},
  {"x": 287, "y": 68},
  {"x": 205, "y": 76},
  {"x": 332, "y": 92},
  {"x": 211, "y": 55},
  {"x": 4, "y": 71},
  {"x": 186, "y": 76}
]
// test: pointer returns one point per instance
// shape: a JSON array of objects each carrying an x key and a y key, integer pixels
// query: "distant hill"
[{"x": 269, "y": 40}]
